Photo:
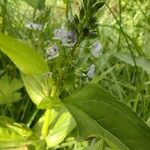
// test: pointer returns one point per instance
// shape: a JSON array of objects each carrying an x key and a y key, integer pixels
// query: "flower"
[
  {"x": 91, "y": 71},
  {"x": 68, "y": 38},
  {"x": 47, "y": 74},
  {"x": 34, "y": 26},
  {"x": 52, "y": 52},
  {"x": 59, "y": 34},
  {"x": 96, "y": 49}
]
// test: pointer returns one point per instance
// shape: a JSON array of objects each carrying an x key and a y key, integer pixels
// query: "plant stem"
[
  {"x": 32, "y": 117},
  {"x": 45, "y": 126},
  {"x": 47, "y": 115},
  {"x": 135, "y": 71},
  {"x": 68, "y": 10},
  {"x": 4, "y": 10}
]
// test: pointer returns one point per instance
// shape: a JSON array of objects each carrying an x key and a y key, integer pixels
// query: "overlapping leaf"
[
  {"x": 63, "y": 126},
  {"x": 14, "y": 135},
  {"x": 99, "y": 114}
]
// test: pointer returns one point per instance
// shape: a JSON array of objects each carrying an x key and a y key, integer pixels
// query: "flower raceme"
[{"x": 67, "y": 38}]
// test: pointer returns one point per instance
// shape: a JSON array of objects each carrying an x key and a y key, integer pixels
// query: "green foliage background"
[{"x": 121, "y": 108}]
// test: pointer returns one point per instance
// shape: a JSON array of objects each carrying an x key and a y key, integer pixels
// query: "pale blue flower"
[
  {"x": 68, "y": 38},
  {"x": 96, "y": 50},
  {"x": 52, "y": 52},
  {"x": 34, "y": 26},
  {"x": 91, "y": 71}
]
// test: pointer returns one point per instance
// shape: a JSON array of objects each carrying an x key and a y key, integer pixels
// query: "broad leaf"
[
  {"x": 25, "y": 58},
  {"x": 63, "y": 126},
  {"x": 60, "y": 125},
  {"x": 142, "y": 62},
  {"x": 36, "y": 87},
  {"x": 54, "y": 115},
  {"x": 8, "y": 90},
  {"x": 99, "y": 114},
  {"x": 16, "y": 135},
  {"x": 39, "y": 88}
]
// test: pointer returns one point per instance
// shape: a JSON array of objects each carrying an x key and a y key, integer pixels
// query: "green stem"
[
  {"x": 47, "y": 115},
  {"x": 34, "y": 13},
  {"x": 32, "y": 117},
  {"x": 135, "y": 71},
  {"x": 136, "y": 102},
  {"x": 120, "y": 21},
  {"x": 68, "y": 10},
  {"x": 3, "y": 10},
  {"x": 45, "y": 126}
]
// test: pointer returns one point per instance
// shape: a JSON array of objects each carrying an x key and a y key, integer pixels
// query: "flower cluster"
[
  {"x": 91, "y": 71},
  {"x": 96, "y": 49},
  {"x": 52, "y": 52},
  {"x": 34, "y": 26},
  {"x": 68, "y": 38}
]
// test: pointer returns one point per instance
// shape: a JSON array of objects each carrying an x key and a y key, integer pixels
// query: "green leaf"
[
  {"x": 96, "y": 79},
  {"x": 39, "y": 88},
  {"x": 36, "y": 87},
  {"x": 55, "y": 112},
  {"x": 63, "y": 126},
  {"x": 25, "y": 58},
  {"x": 8, "y": 90},
  {"x": 99, "y": 114},
  {"x": 100, "y": 145},
  {"x": 142, "y": 62},
  {"x": 37, "y": 4},
  {"x": 49, "y": 102},
  {"x": 15, "y": 135},
  {"x": 60, "y": 125}
]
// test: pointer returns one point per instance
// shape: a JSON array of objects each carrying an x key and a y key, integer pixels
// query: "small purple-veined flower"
[
  {"x": 52, "y": 52},
  {"x": 91, "y": 71},
  {"x": 34, "y": 26},
  {"x": 68, "y": 38},
  {"x": 96, "y": 49}
]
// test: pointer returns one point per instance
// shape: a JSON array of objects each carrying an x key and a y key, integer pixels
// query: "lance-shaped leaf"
[
  {"x": 99, "y": 114},
  {"x": 142, "y": 62},
  {"x": 14, "y": 135},
  {"x": 27, "y": 59}
]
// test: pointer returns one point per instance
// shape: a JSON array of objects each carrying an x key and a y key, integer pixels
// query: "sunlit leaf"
[
  {"x": 63, "y": 126},
  {"x": 26, "y": 58},
  {"x": 36, "y": 87},
  {"x": 14, "y": 135},
  {"x": 39, "y": 88}
]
